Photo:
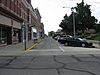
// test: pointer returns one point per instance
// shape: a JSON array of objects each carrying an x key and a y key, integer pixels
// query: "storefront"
[
  {"x": 16, "y": 36},
  {"x": 10, "y": 31},
  {"x": 5, "y": 35},
  {"x": 9, "y": 36},
  {"x": 34, "y": 34}
]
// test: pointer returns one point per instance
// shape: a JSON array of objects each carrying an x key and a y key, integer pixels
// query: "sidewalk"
[
  {"x": 17, "y": 47},
  {"x": 95, "y": 43}
]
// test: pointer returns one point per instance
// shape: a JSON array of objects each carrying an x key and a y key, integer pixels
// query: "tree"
[
  {"x": 51, "y": 33},
  {"x": 83, "y": 19},
  {"x": 66, "y": 24},
  {"x": 97, "y": 28}
]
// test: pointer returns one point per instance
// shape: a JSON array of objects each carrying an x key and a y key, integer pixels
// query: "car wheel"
[
  {"x": 66, "y": 44},
  {"x": 83, "y": 45}
]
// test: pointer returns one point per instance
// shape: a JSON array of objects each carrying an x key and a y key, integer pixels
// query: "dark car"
[
  {"x": 78, "y": 42},
  {"x": 64, "y": 38}
]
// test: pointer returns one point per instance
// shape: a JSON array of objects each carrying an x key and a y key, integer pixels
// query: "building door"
[
  {"x": 9, "y": 35},
  {"x": 19, "y": 35}
]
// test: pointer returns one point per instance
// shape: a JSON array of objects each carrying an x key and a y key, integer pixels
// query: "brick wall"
[{"x": 16, "y": 7}]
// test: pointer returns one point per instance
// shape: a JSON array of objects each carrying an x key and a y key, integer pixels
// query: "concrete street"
[{"x": 51, "y": 58}]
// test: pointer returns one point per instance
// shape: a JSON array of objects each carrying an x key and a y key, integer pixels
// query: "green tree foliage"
[
  {"x": 97, "y": 28},
  {"x": 51, "y": 33},
  {"x": 66, "y": 24},
  {"x": 83, "y": 19}
]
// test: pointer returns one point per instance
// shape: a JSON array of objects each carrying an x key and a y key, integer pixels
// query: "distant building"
[{"x": 16, "y": 18}]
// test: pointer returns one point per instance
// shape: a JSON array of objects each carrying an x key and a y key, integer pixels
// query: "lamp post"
[{"x": 72, "y": 9}]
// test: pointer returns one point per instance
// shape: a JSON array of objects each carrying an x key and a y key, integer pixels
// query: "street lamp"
[{"x": 72, "y": 9}]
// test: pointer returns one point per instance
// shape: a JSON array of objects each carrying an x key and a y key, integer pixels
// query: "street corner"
[{"x": 32, "y": 47}]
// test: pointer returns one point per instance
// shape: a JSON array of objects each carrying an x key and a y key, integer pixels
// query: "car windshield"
[{"x": 81, "y": 39}]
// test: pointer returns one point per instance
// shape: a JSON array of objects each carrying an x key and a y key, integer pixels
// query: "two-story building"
[{"x": 17, "y": 18}]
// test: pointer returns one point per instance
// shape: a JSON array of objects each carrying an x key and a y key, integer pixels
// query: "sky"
[{"x": 52, "y": 11}]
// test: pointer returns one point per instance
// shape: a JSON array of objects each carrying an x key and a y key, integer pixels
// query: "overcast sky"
[{"x": 52, "y": 11}]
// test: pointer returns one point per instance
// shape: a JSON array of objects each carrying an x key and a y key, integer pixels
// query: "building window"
[
  {"x": 19, "y": 7},
  {"x": 8, "y": 3},
  {"x": 15, "y": 10},
  {"x": 3, "y": 35},
  {"x": 16, "y": 6},
  {"x": 3, "y": 1}
]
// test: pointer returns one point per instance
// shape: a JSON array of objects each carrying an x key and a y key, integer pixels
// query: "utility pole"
[
  {"x": 24, "y": 34},
  {"x": 82, "y": 0},
  {"x": 72, "y": 9}
]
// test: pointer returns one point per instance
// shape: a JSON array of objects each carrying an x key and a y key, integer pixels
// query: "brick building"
[{"x": 17, "y": 18}]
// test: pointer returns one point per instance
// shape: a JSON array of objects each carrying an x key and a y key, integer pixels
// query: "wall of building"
[{"x": 15, "y": 12}]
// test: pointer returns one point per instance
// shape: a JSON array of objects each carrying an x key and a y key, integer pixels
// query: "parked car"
[
  {"x": 62, "y": 39},
  {"x": 78, "y": 42},
  {"x": 56, "y": 36}
]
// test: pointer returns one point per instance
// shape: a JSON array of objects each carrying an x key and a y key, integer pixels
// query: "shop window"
[{"x": 3, "y": 37}]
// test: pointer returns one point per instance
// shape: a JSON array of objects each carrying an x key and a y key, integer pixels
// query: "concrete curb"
[
  {"x": 34, "y": 45},
  {"x": 95, "y": 43}
]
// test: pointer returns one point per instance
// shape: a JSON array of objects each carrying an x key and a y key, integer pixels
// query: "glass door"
[{"x": 3, "y": 36}]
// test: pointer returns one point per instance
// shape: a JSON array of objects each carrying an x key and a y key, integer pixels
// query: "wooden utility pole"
[{"x": 82, "y": 0}]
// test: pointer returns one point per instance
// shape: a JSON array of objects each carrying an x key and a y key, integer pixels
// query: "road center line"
[{"x": 61, "y": 49}]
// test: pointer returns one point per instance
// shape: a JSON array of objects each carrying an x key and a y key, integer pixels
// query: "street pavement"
[
  {"x": 51, "y": 58},
  {"x": 50, "y": 65}
]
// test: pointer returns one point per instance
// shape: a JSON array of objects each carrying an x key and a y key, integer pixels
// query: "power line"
[{"x": 86, "y": 1}]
